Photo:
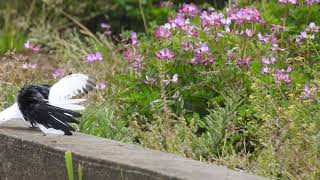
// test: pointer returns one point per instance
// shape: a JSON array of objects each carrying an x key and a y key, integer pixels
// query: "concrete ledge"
[{"x": 27, "y": 154}]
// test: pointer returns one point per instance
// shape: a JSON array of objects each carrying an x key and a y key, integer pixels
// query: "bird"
[{"x": 51, "y": 108}]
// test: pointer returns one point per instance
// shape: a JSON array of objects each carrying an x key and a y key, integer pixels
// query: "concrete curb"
[{"x": 27, "y": 154}]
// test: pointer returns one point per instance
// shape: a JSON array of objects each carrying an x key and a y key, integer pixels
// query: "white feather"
[
  {"x": 73, "y": 107},
  {"x": 70, "y": 86},
  {"x": 13, "y": 112},
  {"x": 71, "y": 104},
  {"x": 50, "y": 130}
]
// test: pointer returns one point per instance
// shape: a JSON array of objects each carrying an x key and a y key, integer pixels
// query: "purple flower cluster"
[
  {"x": 312, "y": 2},
  {"x": 266, "y": 61},
  {"x": 309, "y": 33},
  {"x": 282, "y": 75},
  {"x": 186, "y": 45},
  {"x": 202, "y": 55},
  {"x": 249, "y": 15},
  {"x": 247, "y": 32},
  {"x": 101, "y": 85},
  {"x": 264, "y": 39},
  {"x": 134, "y": 39},
  {"x": 29, "y": 45},
  {"x": 244, "y": 62},
  {"x": 312, "y": 28},
  {"x": 93, "y": 57},
  {"x": 133, "y": 57},
  {"x": 308, "y": 92},
  {"x": 188, "y": 10},
  {"x": 182, "y": 23},
  {"x": 294, "y": 2},
  {"x": 212, "y": 19},
  {"x": 58, "y": 72},
  {"x": 163, "y": 32},
  {"x": 165, "y": 54}
]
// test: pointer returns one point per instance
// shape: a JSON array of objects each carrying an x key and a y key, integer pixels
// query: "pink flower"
[
  {"x": 106, "y": 28},
  {"x": 244, "y": 62},
  {"x": 134, "y": 39},
  {"x": 267, "y": 61},
  {"x": 93, "y": 57},
  {"x": 164, "y": 54},
  {"x": 101, "y": 86},
  {"x": 162, "y": 32},
  {"x": 150, "y": 80},
  {"x": 99, "y": 56},
  {"x": 137, "y": 62},
  {"x": 303, "y": 35},
  {"x": 29, "y": 66},
  {"x": 203, "y": 59},
  {"x": 288, "y": 1},
  {"x": 186, "y": 45},
  {"x": 242, "y": 15},
  {"x": 202, "y": 49},
  {"x": 248, "y": 32},
  {"x": 307, "y": 92},
  {"x": 128, "y": 54},
  {"x": 179, "y": 21},
  {"x": 313, "y": 28},
  {"x": 191, "y": 30},
  {"x": 58, "y": 72},
  {"x": 225, "y": 21},
  {"x": 188, "y": 10},
  {"x": 169, "y": 80},
  {"x": 267, "y": 38},
  {"x": 266, "y": 69},
  {"x": 212, "y": 19},
  {"x": 311, "y": 2},
  {"x": 282, "y": 75},
  {"x": 29, "y": 45}
]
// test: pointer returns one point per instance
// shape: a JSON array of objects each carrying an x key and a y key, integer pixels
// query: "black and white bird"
[{"x": 51, "y": 108}]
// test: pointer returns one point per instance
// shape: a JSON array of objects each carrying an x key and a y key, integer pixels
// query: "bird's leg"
[{"x": 33, "y": 126}]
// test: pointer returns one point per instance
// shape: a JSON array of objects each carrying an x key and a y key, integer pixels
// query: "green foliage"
[
  {"x": 69, "y": 166},
  {"x": 11, "y": 41},
  {"x": 221, "y": 111},
  {"x": 100, "y": 120},
  {"x": 293, "y": 127},
  {"x": 213, "y": 143}
]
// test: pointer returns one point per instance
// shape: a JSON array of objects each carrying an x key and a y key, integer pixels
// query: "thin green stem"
[
  {"x": 281, "y": 92},
  {"x": 314, "y": 47},
  {"x": 143, "y": 17},
  {"x": 30, "y": 11}
]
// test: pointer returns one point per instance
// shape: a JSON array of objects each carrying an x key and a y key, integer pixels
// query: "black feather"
[{"x": 33, "y": 104}]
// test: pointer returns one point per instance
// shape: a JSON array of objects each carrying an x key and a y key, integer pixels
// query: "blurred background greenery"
[{"x": 218, "y": 113}]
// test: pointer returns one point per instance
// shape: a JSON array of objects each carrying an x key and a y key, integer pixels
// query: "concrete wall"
[{"x": 27, "y": 154}]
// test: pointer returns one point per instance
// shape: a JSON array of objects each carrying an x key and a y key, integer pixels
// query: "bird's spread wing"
[
  {"x": 37, "y": 110},
  {"x": 71, "y": 86}
]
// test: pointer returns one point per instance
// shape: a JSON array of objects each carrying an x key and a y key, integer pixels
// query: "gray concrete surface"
[{"x": 26, "y": 154}]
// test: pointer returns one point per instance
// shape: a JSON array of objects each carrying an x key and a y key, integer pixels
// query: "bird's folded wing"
[
  {"x": 53, "y": 117},
  {"x": 71, "y": 86}
]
